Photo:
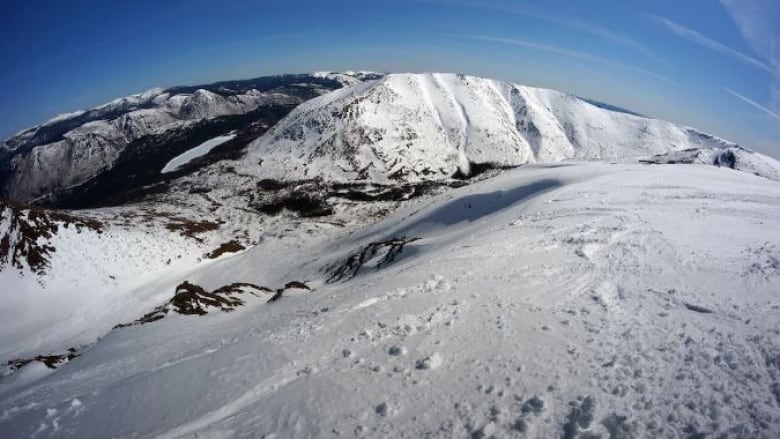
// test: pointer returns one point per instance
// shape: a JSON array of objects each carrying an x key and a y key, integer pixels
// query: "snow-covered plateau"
[{"x": 409, "y": 256}]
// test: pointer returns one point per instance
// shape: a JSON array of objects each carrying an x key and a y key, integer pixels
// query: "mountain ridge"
[
  {"x": 379, "y": 127},
  {"x": 43, "y": 163},
  {"x": 433, "y": 126}
]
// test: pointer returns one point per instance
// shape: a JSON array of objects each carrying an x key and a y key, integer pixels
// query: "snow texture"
[
  {"x": 412, "y": 127},
  {"x": 570, "y": 299},
  {"x": 550, "y": 301}
]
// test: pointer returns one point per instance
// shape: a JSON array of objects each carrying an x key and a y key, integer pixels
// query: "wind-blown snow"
[
  {"x": 65, "y": 116},
  {"x": 198, "y": 151},
  {"x": 552, "y": 300}
]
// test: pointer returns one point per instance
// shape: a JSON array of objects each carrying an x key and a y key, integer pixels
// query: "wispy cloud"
[
  {"x": 576, "y": 54},
  {"x": 757, "y": 21},
  {"x": 753, "y": 103},
  {"x": 576, "y": 24},
  {"x": 602, "y": 32},
  {"x": 696, "y": 37}
]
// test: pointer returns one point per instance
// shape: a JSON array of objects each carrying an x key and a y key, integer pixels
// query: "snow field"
[{"x": 613, "y": 302}]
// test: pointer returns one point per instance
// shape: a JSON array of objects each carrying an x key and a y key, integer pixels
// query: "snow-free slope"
[
  {"x": 413, "y": 127},
  {"x": 552, "y": 301}
]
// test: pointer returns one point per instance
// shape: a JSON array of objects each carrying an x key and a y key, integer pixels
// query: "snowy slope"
[
  {"x": 349, "y": 77},
  {"x": 95, "y": 146},
  {"x": 430, "y": 126},
  {"x": 198, "y": 151},
  {"x": 550, "y": 301},
  {"x": 41, "y": 162},
  {"x": 67, "y": 278},
  {"x": 738, "y": 158}
]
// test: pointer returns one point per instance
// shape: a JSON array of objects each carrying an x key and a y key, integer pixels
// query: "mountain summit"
[
  {"x": 415, "y": 127},
  {"x": 375, "y": 128}
]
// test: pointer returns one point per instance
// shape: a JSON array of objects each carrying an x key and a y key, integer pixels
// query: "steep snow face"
[
  {"x": 428, "y": 126},
  {"x": 567, "y": 300}
]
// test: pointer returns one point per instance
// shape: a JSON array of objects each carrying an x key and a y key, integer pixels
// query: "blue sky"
[{"x": 711, "y": 64}]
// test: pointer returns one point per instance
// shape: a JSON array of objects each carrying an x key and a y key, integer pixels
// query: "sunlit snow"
[{"x": 200, "y": 150}]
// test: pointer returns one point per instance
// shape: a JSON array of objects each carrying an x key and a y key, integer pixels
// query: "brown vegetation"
[
  {"x": 26, "y": 239},
  {"x": 226, "y": 247},
  {"x": 351, "y": 266},
  {"x": 190, "y": 228},
  {"x": 192, "y": 299},
  {"x": 51, "y": 361}
]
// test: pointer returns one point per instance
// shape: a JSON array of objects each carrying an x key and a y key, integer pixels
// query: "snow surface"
[
  {"x": 552, "y": 300},
  {"x": 737, "y": 158},
  {"x": 96, "y": 281},
  {"x": 198, "y": 151},
  {"x": 94, "y": 147},
  {"x": 413, "y": 127},
  {"x": 64, "y": 116}
]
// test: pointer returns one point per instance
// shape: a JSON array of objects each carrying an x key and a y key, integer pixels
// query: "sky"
[{"x": 710, "y": 64}]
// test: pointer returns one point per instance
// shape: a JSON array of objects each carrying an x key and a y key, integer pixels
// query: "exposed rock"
[{"x": 351, "y": 266}]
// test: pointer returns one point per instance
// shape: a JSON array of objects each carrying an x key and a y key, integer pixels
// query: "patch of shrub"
[
  {"x": 226, "y": 247},
  {"x": 305, "y": 205},
  {"x": 50, "y": 361},
  {"x": 268, "y": 184}
]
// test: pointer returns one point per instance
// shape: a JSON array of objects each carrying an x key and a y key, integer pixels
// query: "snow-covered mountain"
[
  {"x": 399, "y": 127},
  {"x": 94, "y": 147},
  {"x": 735, "y": 157},
  {"x": 369, "y": 267},
  {"x": 411, "y": 127},
  {"x": 45, "y": 162}
]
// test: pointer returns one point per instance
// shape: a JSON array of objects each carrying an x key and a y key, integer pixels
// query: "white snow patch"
[{"x": 198, "y": 151}]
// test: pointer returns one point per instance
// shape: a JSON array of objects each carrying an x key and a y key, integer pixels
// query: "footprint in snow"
[
  {"x": 430, "y": 362},
  {"x": 397, "y": 350}
]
